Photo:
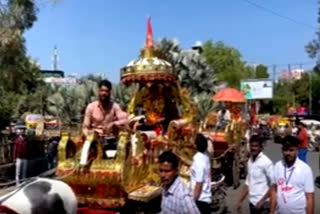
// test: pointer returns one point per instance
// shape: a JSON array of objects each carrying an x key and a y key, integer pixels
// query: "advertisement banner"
[{"x": 257, "y": 89}]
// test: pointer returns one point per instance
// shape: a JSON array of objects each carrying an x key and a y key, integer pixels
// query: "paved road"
[{"x": 274, "y": 152}]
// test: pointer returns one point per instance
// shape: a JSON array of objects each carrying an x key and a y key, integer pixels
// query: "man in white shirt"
[
  {"x": 259, "y": 179},
  {"x": 293, "y": 188},
  {"x": 201, "y": 175},
  {"x": 224, "y": 117}
]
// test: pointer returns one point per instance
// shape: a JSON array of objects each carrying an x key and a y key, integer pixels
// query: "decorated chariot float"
[
  {"x": 227, "y": 131},
  {"x": 105, "y": 172}
]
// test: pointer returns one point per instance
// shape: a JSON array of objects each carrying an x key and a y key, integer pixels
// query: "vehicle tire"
[
  {"x": 218, "y": 205},
  {"x": 236, "y": 173},
  {"x": 317, "y": 182}
]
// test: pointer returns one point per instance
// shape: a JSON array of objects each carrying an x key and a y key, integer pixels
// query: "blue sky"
[{"x": 101, "y": 36}]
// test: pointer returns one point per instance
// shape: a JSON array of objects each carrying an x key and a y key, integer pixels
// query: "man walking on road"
[
  {"x": 293, "y": 188},
  {"x": 201, "y": 176},
  {"x": 176, "y": 197},
  {"x": 303, "y": 137},
  {"x": 20, "y": 152},
  {"x": 259, "y": 179}
]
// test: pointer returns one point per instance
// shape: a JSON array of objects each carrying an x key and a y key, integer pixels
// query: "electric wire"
[{"x": 270, "y": 11}]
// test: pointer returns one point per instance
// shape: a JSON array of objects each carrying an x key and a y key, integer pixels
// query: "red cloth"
[
  {"x": 303, "y": 138},
  {"x": 149, "y": 41},
  {"x": 20, "y": 148},
  {"x": 85, "y": 210},
  {"x": 7, "y": 210}
]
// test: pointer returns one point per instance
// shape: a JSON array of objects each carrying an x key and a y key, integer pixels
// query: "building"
[
  {"x": 294, "y": 74},
  {"x": 52, "y": 73}
]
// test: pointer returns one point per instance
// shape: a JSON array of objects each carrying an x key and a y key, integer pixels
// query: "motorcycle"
[{"x": 218, "y": 189}]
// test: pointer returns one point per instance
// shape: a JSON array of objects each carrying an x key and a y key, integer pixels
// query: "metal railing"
[{"x": 6, "y": 149}]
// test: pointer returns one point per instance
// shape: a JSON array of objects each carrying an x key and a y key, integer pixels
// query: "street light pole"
[
  {"x": 254, "y": 71},
  {"x": 310, "y": 92}
]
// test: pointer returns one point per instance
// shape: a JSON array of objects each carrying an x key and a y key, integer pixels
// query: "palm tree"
[
  {"x": 69, "y": 103},
  {"x": 122, "y": 94},
  {"x": 190, "y": 66},
  {"x": 193, "y": 72},
  {"x": 205, "y": 104}
]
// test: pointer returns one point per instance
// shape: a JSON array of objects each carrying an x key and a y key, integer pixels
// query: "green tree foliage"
[
  {"x": 122, "y": 94},
  {"x": 193, "y": 72},
  {"x": 17, "y": 14},
  {"x": 19, "y": 76},
  {"x": 283, "y": 96},
  {"x": 313, "y": 47},
  {"x": 261, "y": 72},
  {"x": 225, "y": 61},
  {"x": 228, "y": 65},
  {"x": 296, "y": 93},
  {"x": 69, "y": 103},
  {"x": 205, "y": 105},
  {"x": 190, "y": 66}
]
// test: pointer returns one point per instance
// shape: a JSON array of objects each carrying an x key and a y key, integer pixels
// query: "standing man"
[
  {"x": 293, "y": 188},
  {"x": 176, "y": 197},
  {"x": 103, "y": 115},
  {"x": 52, "y": 152},
  {"x": 201, "y": 176},
  {"x": 303, "y": 137},
  {"x": 20, "y": 152},
  {"x": 259, "y": 179}
]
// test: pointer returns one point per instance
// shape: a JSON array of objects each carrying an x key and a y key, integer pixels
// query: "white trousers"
[{"x": 21, "y": 169}]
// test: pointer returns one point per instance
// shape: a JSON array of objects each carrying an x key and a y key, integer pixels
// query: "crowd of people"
[
  {"x": 27, "y": 149},
  {"x": 286, "y": 187}
]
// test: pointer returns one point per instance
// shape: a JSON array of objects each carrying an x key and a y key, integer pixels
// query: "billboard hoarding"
[
  {"x": 61, "y": 80},
  {"x": 257, "y": 89}
]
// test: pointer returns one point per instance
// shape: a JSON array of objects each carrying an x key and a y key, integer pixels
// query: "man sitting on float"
[{"x": 104, "y": 116}]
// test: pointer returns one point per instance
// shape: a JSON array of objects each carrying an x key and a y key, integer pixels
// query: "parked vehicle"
[
  {"x": 313, "y": 127},
  {"x": 282, "y": 128},
  {"x": 218, "y": 189}
]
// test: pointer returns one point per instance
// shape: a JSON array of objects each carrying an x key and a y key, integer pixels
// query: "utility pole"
[
  {"x": 55, "y": 58},
  {"x": 273, "y": 77},
  {"x": 292, "y": 87},
  {"x": 310, "y": 92}
]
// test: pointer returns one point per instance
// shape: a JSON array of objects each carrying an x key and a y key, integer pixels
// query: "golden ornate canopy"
[{"x": 148, "y": 67}]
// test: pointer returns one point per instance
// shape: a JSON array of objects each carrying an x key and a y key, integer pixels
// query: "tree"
[
  {"x": 205, "y": 105},
  {"x": 283, "y": 96},
  {"x": 193, "y": 72},
  {"x": 122, "y": 94},
  {"x": 17, "y": 14},
  {"x": 296, "y": 93},
  {"x": 313, "y": 47},
  {"x": 225, "y": 61},
  {"x": 190, "y": 66},
  {"x": 228, "y": 65},
  {"x": 261, "y": 72},
  {"x": 18, "y": 75}
]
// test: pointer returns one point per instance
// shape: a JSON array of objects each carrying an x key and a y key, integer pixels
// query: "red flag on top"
[{"x": 149, "y": 41}]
